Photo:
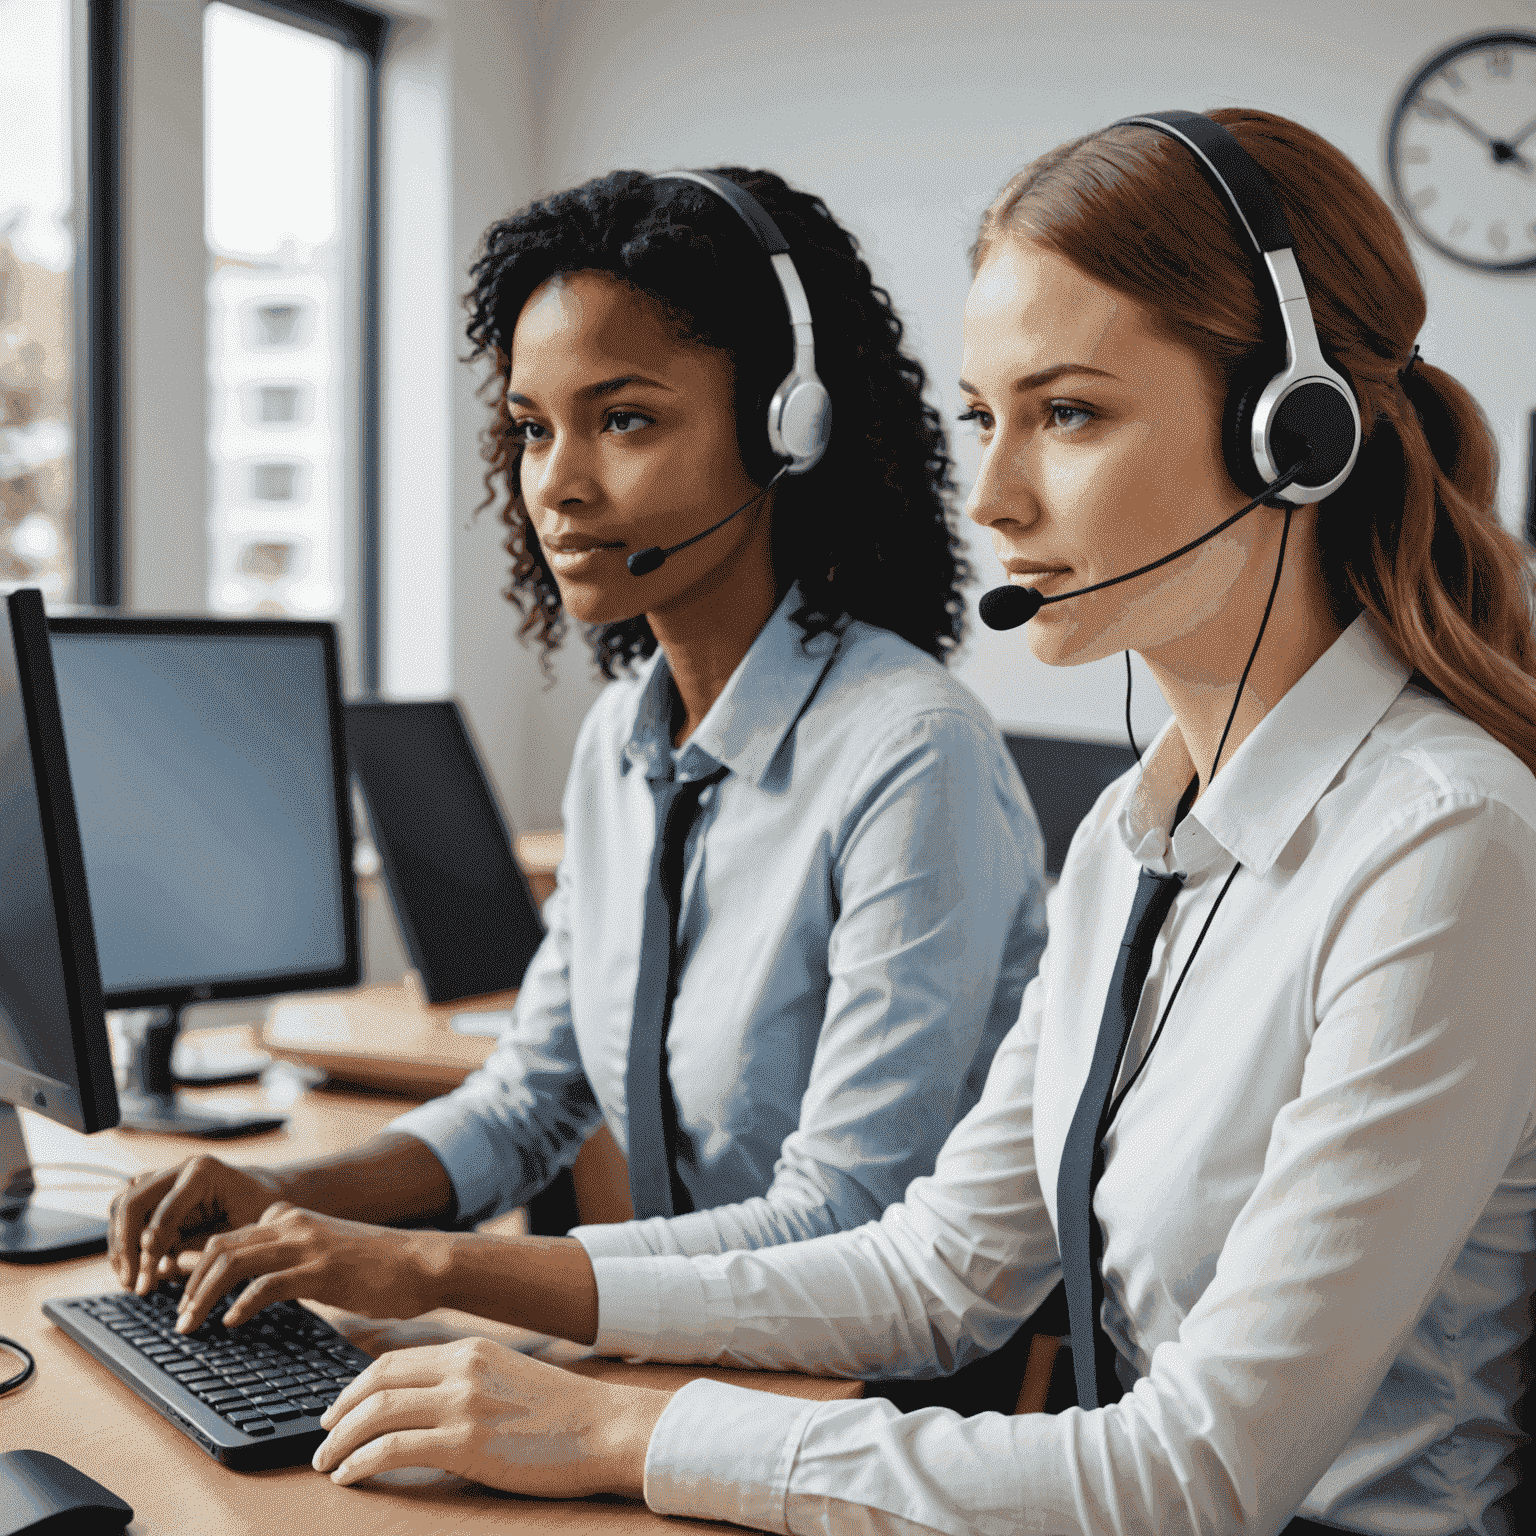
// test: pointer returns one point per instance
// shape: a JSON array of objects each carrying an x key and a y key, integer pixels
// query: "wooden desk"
[{"x": 77, "y": 1409}]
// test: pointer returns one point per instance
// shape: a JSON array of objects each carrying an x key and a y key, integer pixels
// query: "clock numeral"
[
  {"x": 1452, "y": 78},
  {"x": 1499, "y": 62},
  {"x": 1414, "y": 154},
  {"x": 1498, "y": 236},
  {"x": 1458, "y": 229},
  {"x": 1424, "y": 197}
]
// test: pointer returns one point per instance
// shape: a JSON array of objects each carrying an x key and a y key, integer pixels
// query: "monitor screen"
[
  {"x": 465, "y": 910},
  {"x": 53, "y": 1039},
  {"x": 212, "y": 802}
]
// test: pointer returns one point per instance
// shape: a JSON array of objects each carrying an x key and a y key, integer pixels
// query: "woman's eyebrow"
[
  {"x": 1044, "y": 376},
  {"x": 595, "y": 391}
]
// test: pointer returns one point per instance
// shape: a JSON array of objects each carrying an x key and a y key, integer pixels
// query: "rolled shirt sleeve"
[{"x": 510, "y": 1127}]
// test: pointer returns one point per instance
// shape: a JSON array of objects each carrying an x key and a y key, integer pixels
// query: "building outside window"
[
  {"x": 37, "y": 472},
  {"x": 283, "y": 141}
]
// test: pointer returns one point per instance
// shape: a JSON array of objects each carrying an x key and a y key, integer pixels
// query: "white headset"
[{"x": 800, "y": 412}]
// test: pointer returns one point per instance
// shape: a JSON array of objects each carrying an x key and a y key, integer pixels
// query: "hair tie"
[{"x": 1407, "y": 368}]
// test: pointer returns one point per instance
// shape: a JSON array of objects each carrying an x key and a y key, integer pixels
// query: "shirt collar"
[
  {"x": 1259, "y": 798},
  {"x": 756, "y": 710}
]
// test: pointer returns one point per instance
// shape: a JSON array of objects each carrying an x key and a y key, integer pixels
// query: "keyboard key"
[
  {"x": 243, "y": 1380},
  {"x": 315, "y": 1404},
  {"x": 260, "y": 1427},
  {"x": 222, "y": 1397},
  {"x": 246, "y": 1415},
  {"x": 281, "y": 1412},
  {"x": 261, "y": 1398}
]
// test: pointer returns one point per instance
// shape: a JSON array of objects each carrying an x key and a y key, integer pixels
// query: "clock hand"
[
  {"x": 1523, "y": 135},
  {"x": 1500, "y": 151}
]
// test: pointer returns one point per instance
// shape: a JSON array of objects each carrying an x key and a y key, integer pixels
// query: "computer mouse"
[{"x": 43, "y": 1496}]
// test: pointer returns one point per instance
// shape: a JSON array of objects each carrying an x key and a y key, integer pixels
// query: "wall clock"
[{"x": 1461, "y": 152}]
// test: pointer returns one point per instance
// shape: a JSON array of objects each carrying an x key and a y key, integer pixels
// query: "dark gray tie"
[
  {"x": 1082, "y": 1154},
  {"x": 654, "y": 1186}
]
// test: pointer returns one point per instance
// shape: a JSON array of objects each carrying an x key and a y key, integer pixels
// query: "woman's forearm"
[
  {"x": 393, "y": 1180},
  {"x": 543, "y": 1283}
]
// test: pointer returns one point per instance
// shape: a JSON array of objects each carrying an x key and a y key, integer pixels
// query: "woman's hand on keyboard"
[
  {"x": 488, "y": 1413},
  {"x": 164, "y": 1212},
  {"x": 291, "y": 1253}
]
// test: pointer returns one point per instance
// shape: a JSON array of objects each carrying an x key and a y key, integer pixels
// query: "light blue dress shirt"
[{"x": 862, "y": 909}]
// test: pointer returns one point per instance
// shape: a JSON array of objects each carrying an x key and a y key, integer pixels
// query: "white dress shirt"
[
  {"x": 862, "y": 909},
  {"x": 1317, "y": 1200}
]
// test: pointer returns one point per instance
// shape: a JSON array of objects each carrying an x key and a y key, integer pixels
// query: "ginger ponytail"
[
  {"x": 1419, "y": 545},
  {"x": 1413, "y": 536}
]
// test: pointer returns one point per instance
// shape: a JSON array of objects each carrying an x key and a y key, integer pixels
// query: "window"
[
  {"x": 290, "y": 151},
  {"x": 279, "y": 325},
  {"x": 37, "y": 259},
  {"x": 274, "y": 482},
  {"x": 277, "y": 403}
]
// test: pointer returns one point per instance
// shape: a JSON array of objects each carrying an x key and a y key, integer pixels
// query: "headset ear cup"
[
  {"x": 1237, "y": 426},
  {"x": 1314, "y": 422},
  {"x": 800, "y": 422}
]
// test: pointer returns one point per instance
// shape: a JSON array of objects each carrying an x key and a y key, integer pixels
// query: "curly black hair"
[{"x": 868, "y": 532}]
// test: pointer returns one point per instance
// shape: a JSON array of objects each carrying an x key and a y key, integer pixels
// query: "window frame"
[{"x": 96, "y": 56}]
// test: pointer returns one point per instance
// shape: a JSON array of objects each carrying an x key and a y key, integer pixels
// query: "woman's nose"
[
  {"x": 561, "y": 473},
  {"x": 1001, "y": 491}
]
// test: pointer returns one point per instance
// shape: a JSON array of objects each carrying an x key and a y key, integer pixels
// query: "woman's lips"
[
  {"x": 575, "y": 554},
  {"x": 1025, "y": 573}
]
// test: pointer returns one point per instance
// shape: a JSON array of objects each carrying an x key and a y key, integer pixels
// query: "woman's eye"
[
  {"x": 1069, "y": 417},
  {"x": 627, "y": 421},
  {"x": 524, "y": 430},
  {"x": 983, "y": 419}
]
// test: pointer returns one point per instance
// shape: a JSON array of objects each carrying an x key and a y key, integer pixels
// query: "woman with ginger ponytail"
[{"x": 1278, "y": 1141}]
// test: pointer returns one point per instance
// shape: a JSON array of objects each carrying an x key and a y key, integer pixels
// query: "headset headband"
[{"x": 800, "y": 413}]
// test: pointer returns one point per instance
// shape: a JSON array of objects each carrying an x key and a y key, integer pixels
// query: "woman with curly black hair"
[
  {"x": 800, "y": 898},
  {"x": 867, "y": 536}
]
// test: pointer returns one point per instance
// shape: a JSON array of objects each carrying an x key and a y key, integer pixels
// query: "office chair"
[{"x": 1064, "y": 778}]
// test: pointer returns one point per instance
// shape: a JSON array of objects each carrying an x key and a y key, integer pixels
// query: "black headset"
[
  {"x": 1305, "y": 411},
  {"x": 800, "y": 412}
]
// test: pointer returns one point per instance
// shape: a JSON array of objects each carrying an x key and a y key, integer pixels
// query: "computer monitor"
[
  {"x": 210, "y": 777},
  {"x": 466, "y": 914},
  {"x": 54, "y": 1055}
]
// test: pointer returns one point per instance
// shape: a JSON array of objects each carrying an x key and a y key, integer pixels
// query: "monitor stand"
[
  {"x": 195, "y": 1064},
  {"x": 149, "y": 1102},
  {"x": 36, "y": 1234}
]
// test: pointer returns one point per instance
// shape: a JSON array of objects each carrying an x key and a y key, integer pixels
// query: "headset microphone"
[
  {"x": 1008, "y": 607},
  {"x": 644, "y": 561}
]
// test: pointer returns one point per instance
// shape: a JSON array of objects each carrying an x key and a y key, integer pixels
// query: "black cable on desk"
[{"x": 26, "y": 1370}]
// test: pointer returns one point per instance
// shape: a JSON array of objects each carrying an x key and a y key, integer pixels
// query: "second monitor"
[
  {"x": 210, "y": 775},
  {"x": 464, "y": 908}
]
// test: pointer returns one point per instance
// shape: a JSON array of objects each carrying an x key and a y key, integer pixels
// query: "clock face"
[{"x": 1461, "y": 152}]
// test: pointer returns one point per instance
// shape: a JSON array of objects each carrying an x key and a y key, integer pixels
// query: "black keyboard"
[{"x": 251, "y": 1396}]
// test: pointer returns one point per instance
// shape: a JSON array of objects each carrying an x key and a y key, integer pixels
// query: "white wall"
[{"x": 907, "y": 115}]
